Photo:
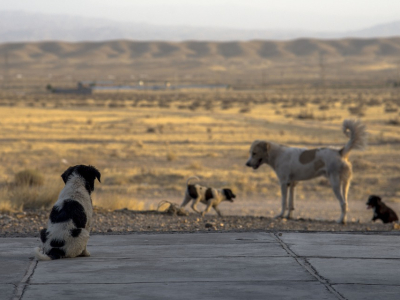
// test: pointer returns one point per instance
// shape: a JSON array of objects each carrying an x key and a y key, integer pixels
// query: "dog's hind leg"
[
  {"x": 289, "y": 214},
  {"x": 208, "y": 208},
  {"x": 186, "y": 200},
  {"x": 335, "y": 182},
  {"x": 84, "y": 253},
  {"x": 284, "y": 189}
]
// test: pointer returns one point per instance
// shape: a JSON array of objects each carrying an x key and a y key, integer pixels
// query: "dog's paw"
[
  {"x": 289, "y": 215},
  {"x": 203, "y": 214},
  {"x": 341, "y": 221},
  {"x": 278, "y": 216},
  {"x": 85, "y": 253}
]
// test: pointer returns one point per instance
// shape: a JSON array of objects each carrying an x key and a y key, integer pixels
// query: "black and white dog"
[
  {"x": 381, "y": 210},
  {"x": 209, "y": 196},
  {"x": 68, "y": 228}
]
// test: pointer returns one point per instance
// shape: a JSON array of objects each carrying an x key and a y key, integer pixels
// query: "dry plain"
[{"x": 146, "y": 145}]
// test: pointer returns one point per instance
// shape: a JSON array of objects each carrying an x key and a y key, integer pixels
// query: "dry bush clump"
[
  {"x": 118, "y": 202},
  {"x": 358, "y": 110},
  {"x": 306, "y": 114},
  {"x": 323, "y": 107},
  {"x": 390, "y": 108},
  {"x": 29, "y": 177},
  {"x": 171, "y": 156},
  {"x": 195, "y": 165},
  {"x": 394, "y": 121},
  {"x": 15, "y": 198},
  {"x": 360, "y": 164}
]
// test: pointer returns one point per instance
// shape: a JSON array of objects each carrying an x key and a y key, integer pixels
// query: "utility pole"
[
  {"x": 322, "y": 72},
  {"x": 5, "y": 79}
]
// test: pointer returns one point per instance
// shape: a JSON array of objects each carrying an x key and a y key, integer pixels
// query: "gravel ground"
[{"x": 28, "y": 223}]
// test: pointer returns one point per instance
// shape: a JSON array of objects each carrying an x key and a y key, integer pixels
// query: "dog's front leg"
[
  {"x": 217, "y": 210},
  {"x": 209, "y": 205},
  {"x": 284, "y": 198},
  {"x": 289, "y": 214},
  {"x": 194, "y": 204}
]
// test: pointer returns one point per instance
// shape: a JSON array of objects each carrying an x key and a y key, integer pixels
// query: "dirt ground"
[{"x": 124, "y": 221}]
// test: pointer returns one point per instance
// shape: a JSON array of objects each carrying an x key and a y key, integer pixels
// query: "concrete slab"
[
  {"x": 368, "y": 292},
  {"x": 189, "y": 251},
  {"x": 343, "y": 245},
  {"x": 12, "y": 270},
  {"x": 182, "y": 239},
  {"x": 363, "y": 271},
  {"x": 141, "y": 269},
  {"x": 244, "y": 265},
  {"x": 182, "y": 291},
  {"x": 6, "y": 290}
]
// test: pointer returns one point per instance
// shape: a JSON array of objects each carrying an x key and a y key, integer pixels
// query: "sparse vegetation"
[
  {"x": 146, "y": 152},
  {"x": 29, "y": 178}
]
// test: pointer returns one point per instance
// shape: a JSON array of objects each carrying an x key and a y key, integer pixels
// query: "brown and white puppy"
[
  {"x": 381, "y": 210},
  {"x": 209, "y": 196},
  {"x": 292, "y": 165},
  {"x": 68, "y": 228}
]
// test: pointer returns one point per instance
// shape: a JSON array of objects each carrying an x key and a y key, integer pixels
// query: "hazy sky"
[{"x": 315, "y": 15}]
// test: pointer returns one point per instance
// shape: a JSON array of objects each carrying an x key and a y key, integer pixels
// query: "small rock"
[
  {"x": 209, "y": 225},
  {"x": 396, "y": 226},
  {"x": 109, "y": 230}
]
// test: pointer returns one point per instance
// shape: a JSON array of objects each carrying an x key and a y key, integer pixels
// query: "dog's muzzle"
[{"x": 248, "y": 164}]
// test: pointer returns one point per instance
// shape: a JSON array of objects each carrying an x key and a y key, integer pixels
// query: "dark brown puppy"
[{"x": 381, "y": 210}]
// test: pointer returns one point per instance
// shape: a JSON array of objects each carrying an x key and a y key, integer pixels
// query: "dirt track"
[{"x": 125, "y": 221}]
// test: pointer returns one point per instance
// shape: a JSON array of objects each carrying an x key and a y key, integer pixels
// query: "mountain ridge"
[{"x": 18, "y": 26}]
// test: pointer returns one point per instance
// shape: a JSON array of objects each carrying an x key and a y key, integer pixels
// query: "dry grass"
[{"x": 140, "y": 167}]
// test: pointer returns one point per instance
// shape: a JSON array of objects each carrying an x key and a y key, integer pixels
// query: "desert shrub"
[
  {"x": 171, "y": 156},
  {"x": 358, "y": 110},
  {"x": 245, "y": 109},
  {"x": 306, "y": 114},
  {"x": 118, "y": 202},
  {"x": 32, "y": 197},
  {"x": 29, "y": 177},
  {"x": 394, "y": 121},
  {"x": 390, "y": 108},
  {"x": 374, "y": 102},
  {"x": 195, "y": 166},
  {"x": 226, "y": 104},
  {"x": 323, "y": 107},
  {"x": 116, "y": 180}
]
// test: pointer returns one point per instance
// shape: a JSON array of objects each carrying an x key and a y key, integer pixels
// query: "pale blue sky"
[{"x": 315, "y": 15}]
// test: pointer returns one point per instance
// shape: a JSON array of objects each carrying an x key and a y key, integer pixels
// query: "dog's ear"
[
  {"x": 265, "y": 146},
  {"x": 96, "y": 173},
  {"x": 67, "y": 173},
  {"x": 89, "y": 173}
]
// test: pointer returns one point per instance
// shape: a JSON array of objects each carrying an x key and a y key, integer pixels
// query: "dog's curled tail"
[
  {"x": 357, "y": 133},
  {"x": 40, "y": 256},
  {"x": 190, "y": 178}
]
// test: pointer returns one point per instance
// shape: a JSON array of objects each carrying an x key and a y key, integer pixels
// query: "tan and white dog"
[{"x": 292, "y": 165}]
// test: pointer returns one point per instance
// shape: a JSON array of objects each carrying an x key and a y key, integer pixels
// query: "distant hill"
[
  {"x": 238, "y": 63},
  {"x": 16, "y": 26},
  {"x": 128, "y": 51}
]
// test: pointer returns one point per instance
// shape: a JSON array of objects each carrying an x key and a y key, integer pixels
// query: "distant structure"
[
  {"x": 80, "y": 89},
  {"x": 88, "y": 87}
]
